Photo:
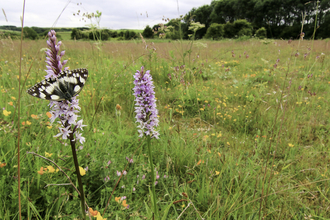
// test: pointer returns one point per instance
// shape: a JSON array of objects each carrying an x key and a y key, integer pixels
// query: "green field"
[{"x": 243, "y": 131}]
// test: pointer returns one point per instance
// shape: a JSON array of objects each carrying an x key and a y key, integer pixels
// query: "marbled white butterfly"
[{"x": 67, "y": 85}]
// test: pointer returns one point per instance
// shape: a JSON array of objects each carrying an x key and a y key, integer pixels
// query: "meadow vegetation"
[{"x": 244, "y": 130}]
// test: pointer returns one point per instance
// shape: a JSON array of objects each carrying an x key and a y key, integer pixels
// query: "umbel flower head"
[
  {"x": 64, "y": 110},
  {"x": 145, "y": 104}
]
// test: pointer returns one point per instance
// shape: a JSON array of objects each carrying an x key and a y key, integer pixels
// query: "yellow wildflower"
[
  {"x": 82, "y": 171},
  {"x": 48, "y": 154},
  {"x": 99, "y": 217},
  {"x": 50, "y": 169},
  {"x": 6, "y": 113}
]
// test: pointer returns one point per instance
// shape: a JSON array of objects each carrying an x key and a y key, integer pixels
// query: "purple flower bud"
[{"x": 143, "y": 177}]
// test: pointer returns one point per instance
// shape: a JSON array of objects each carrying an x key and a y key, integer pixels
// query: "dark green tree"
[
  {"x": 261, "y": 33},
  {"x": 147, "y": 32},
  {"x": 215, "y": 31},
  {"x": 126, "y": 36},
  {"x": 114, "y": 34},
  {"x": 121, "y": 34},
  {"x": 229, "y": 30},
  {"x": 76, "y": 34},
  {"x": 133, "y": 35},
  {"x": 104, "y": 35},
  {"x": 29, "y": 33},
  {"x": 243, "y": 27}
]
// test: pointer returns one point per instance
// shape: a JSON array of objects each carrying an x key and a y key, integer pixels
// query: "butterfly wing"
[{"x": 67, "y": 85}]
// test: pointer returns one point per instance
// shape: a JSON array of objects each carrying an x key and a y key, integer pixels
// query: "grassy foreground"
[{"x": 244, "y": 131}]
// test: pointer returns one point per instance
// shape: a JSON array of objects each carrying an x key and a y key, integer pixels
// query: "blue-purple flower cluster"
[
  {"x": 145, "y": 102},
  {"x": 63, "y": 110}
]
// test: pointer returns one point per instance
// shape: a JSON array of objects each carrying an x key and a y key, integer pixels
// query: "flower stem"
[
  {"x": 81, "y": 188},
  {"x": 152, "y": 178}
]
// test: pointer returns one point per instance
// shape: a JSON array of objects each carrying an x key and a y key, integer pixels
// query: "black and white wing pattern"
[{"x": 67, "y": 85}]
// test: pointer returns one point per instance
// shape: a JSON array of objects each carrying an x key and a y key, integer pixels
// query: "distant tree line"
[
  {"x": 86, "y": 33},
  {"x": 33, "y": 33},
  {"x": 103, "y": 34},
  {"x": 39, "y": 30},
  {"x": 271, "y": 18}
]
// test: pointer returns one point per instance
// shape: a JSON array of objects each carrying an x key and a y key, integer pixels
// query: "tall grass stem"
[
  {"x": 152, "y": 177},
  {"x": 18, "y": 118},
  {"x": 81, "y": 188}
]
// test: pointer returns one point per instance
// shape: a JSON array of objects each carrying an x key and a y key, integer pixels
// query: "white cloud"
[{"x": 119, "y": 14}]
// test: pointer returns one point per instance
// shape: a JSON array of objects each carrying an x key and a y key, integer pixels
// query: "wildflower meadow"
[{"x": 164, "y": 129}]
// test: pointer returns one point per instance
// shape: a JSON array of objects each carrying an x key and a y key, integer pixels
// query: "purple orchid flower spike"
[{"x": 145, "y": 104}]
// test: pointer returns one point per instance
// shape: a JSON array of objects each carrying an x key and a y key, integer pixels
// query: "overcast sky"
[{"x": 116, "y": 14}]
